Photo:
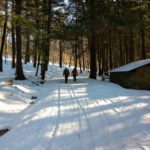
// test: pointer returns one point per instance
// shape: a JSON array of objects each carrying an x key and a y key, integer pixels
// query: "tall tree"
[
  {"x": 13, "y": 37},
  {"x": 92, "y": 37},
  {"x": 19, "y": 68},
  {"x": 46, "y": 38},
  {"x": 3, "y": 36}
]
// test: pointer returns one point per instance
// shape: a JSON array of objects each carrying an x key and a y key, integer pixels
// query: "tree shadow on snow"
[{"x": 86, "y": 114}]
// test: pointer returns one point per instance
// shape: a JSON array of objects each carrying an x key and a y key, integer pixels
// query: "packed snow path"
[{"x": 82, "y": 115}]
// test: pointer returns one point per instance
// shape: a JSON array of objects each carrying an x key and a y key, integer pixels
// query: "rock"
[
  {"x": 2, "y": 132},
  {"x": 32, "y": 102},
  {"x": 33, "y": 97}
]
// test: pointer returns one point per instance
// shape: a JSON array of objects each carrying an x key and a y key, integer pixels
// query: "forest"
[{"x": 97, "y": 35}]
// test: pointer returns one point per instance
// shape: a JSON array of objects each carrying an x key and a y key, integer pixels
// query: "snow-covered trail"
[{"x": 85, "y": 115}]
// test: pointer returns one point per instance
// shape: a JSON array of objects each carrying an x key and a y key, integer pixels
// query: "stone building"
[{"x": 135, "y": 75}]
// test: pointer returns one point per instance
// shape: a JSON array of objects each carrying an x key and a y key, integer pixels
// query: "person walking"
[
  {"x": 66, "y": 73},
  {"x": 74, "y": 74}
]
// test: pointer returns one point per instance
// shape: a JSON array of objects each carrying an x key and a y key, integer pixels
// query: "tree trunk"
[
  {"x": 36, "y": 44},
  {"x": 126, "y": 48},
  {"x": 46, "y": 43},
  {"x": 103, "y": 61},
  {"x": 35, "y": 52},
  {"x": 60, "y": 53},
  {"x": 92, "y": 39},
  {"x": 49, "y": 12},
  {"x": 99, "y": 54},
  {"x": 143, "y": 53},
  {"x": 6, "y": 48},
  {"x": 132, "y": 52},
  {"x": 120, "y": 49},
  {"x": 3, "y": 39},
  {"x": 27, "y": 53},
  {"x": 110, "y": 49},
  {"x": 70, "y": 60},
  {"x": 80, "y": 65},
  {"x": 37, "y": 66},
  {"x": 83, "y": 62},
  {"x": 93, "y": 67},
  {"x": 43, "y": 70},
  {"x": 43, "y": 59},
  {"x": 83, "y": 57},
  {"x": 99, "y": 61},
  {"x": 13, "y": 46},
  {"x": 19, "y": 69},
  {"x": 76, "y": 54}
]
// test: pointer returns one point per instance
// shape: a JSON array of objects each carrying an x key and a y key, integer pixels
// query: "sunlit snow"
[{"x": 83, "y": 115}]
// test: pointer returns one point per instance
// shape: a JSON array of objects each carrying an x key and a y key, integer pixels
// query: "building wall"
[{"x": 136, "y": 79}]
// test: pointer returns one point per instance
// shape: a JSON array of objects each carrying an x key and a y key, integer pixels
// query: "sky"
[{"x": 66, "y": 1}]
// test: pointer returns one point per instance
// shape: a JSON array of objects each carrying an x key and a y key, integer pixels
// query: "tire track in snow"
[
  {"x": 81, "y": 110},
  {"x": 53, "y": 129},
  {"x": 58, "y": 115},
  {"x": 53, "y": 126},
  {"x": 77, "y": 108},
  {"x": 59, "y": 126},
  {"x": 80, "y": 106}
]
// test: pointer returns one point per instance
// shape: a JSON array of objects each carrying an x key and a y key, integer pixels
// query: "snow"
[
  {"x": 131, "y": 66},
  {"x": 83, "y": 115}
]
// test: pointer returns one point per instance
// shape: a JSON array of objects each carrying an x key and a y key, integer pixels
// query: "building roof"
[{"x": 131, "y": 66}]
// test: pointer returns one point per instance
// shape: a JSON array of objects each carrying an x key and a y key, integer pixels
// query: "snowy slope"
[
  {"x": 85, "y": 115},
  {"x": 131, "y": 66}
]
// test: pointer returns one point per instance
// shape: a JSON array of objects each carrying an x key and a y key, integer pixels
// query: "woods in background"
[{"x": 96, "y": 35}]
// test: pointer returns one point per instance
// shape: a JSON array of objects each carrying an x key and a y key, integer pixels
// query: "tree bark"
[
  {"x": 27, "y": 53},
  {"x": 3, "y": 38},
  {"x": 37, "y": 66},
  {"x": 92, "y": 38},
  {"x": 35, "y": 52},
  {"x": 49, "y": 13},
  {"x": 70, "y": 59},
  {"x": 60, "y": 53},
  {"x": 36, "y": 41},
  {"x": 80, "y": 65},
  {"x": 143, "y": 53},
  {"x": 46, "y": 46},
  {"x": 83, "y": 57},
  {"x": 121, "y": 61},
  {"x": 99, "y": 61},
  {"x": 126, "y": 48},
  {"x": 19, "y": 69},
  {"x": 13, "y": 46},
  {"x": 132, "y": 52},
  {"x": 110, "y": 49}
]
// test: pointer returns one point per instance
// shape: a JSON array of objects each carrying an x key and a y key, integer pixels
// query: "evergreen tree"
[{"x": 19, "y": 69}]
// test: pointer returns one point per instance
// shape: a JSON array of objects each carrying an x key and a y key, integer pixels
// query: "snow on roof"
[{"x": 131, "y": 66}]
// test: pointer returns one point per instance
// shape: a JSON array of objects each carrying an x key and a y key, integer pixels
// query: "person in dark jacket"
[
  {"x": 66, "y": 73},
  {"x": 74, "y": 74}
]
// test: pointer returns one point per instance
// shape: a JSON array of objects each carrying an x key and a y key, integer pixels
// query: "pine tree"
[{"x": 19, "y": 68}]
